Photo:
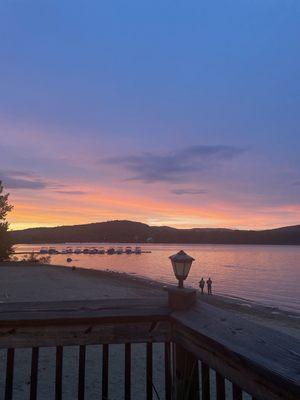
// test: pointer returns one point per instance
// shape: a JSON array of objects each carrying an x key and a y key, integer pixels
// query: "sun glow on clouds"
[
  {"x": 201, "y": 194},
  {"x": 49, "y": 208},
  {"x": 214, "y": 187}
]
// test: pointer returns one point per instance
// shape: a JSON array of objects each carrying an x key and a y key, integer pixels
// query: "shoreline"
[
  {"x": 121, "y": 284},
  {"x": 273, "y": 317},
  {"x": 226, "y": 301},
  {"x": 153, "y": 244}
]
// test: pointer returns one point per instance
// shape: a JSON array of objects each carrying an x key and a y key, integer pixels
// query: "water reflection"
[{"x": 269, "y": 275}]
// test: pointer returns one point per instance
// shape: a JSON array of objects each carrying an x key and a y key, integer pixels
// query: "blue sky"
[{"x": 176, "y": 112}]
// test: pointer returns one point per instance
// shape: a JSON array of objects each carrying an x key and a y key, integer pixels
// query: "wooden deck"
[
  {"x": 261, "y": 360},
  {"x": 258, "y": 360}
]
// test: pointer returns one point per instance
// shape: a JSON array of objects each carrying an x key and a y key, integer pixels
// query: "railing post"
[
  {"x": 185, "y": 370},
  {"x": 181, "y": 299}
]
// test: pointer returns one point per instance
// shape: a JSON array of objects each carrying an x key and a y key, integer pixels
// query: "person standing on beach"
[
  {"x": 201, "y": 284},
  {"x": 209, "y": 285}
]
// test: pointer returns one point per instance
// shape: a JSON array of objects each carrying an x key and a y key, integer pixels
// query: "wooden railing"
[{"x": 206, "y": 352}]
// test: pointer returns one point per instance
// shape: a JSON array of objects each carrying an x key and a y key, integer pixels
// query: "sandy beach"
[
  {"x": 33, "y": 282},
  {"x": 21, "y": 282}
]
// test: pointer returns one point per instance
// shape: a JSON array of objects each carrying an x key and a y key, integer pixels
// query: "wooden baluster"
[
  {"x": 81, "y": 372},
  {"x": 220, "y": 381},
  {"x": 168, "y": 376},
  {"x": 34, "y": 373},
  {"x": 149, "y": 371},
  {"x": 237, "y": 393},
  {"x": 9, "y": 374},
  {"x": 105, "y": 358},
  {"x": 58, "y": 373},
  {"x": 127, "y": 371},
  {"x": 186, "y": 374},
  {"x": 205, "y": 381}
]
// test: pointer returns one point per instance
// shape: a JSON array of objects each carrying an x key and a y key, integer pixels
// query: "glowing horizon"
[{"x": 100, "y": 208}]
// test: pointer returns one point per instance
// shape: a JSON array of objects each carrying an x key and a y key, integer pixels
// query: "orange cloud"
[{"x": 84, "y": 205}]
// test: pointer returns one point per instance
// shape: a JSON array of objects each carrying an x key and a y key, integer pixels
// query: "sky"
[{"x": 180, "y": 113}]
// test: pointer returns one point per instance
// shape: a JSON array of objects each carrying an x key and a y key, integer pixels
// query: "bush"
[{"x": 34, "y": 258}]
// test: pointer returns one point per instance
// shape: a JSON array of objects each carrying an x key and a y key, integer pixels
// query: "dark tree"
[{"x": 5, "y": 243}]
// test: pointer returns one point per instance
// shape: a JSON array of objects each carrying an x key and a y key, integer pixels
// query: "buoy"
[{"x": 69, "y": 259}]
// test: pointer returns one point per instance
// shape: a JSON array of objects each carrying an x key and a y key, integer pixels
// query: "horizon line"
[{"x": 154, "y": 225}]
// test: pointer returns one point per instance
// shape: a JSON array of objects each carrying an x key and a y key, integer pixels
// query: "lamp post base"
[{"x": 181, "y": 298}]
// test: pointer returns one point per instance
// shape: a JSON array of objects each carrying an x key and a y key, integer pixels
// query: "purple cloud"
[
  {"x": 174, "y": 166},
  {"x": 22, "y": 180},
  {"x": 181, "y": 192},
  {"x": 71, "y": 192}
]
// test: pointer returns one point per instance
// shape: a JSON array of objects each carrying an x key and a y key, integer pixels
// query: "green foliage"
[
  {"x": 34, "y": 258},
  {"x": 5, "y": 243}
]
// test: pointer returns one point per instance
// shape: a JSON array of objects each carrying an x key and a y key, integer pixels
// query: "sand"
[
  {"x": 54, "y": 283},
  {"x": 21, "y": 282}
]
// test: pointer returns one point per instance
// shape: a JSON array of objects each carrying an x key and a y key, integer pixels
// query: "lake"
[{"x": 269, "y": 275}]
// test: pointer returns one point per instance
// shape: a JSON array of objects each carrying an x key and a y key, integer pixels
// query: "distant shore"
[
  {"x": 22, "y": 281},
  {"x": 132, "y": 232}
]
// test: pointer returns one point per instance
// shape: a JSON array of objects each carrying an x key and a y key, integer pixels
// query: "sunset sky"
[{"x": 182, "y": 113}]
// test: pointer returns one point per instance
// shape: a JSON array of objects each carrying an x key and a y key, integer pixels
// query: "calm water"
[{"x": 269, "y": 275}]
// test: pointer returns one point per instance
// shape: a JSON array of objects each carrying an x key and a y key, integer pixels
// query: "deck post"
[
  {"x": 185, "y": 370},
  {"x": 180, "y": 299}
]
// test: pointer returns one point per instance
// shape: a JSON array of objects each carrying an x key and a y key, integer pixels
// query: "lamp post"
[
  {"x": 185, "y": 366},
  {"x": 181, "y": 263}
]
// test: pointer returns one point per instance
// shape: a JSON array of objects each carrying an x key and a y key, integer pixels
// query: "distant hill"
[{"x": 132, "y": 232}]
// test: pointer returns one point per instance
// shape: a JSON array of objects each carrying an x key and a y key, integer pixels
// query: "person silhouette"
[
  {"x": 209, "y": 285},
  {"x": 201, "y": 284}
]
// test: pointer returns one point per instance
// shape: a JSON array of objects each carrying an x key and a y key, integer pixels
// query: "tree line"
[
  {"x": 5, "y": 239},
  {"x": 137, "y": 232}
]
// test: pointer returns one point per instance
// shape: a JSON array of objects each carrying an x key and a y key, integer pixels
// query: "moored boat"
[
  {"x": 128, "y": 250},
  {"x": 119, "y": 250},
  {"x": 44, "y": 250},
  {"x": 52, "y": 250},
  {"x": 111, "y": 250},
  {"x": 138, "y": 250},
  {"x": 78, "y": 250},
  {"x": 101, "y": 250},
  {"x": 93, "y": 251}
]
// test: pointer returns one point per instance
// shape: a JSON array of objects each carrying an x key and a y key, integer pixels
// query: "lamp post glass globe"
[{"x": 181, "y": 263}]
